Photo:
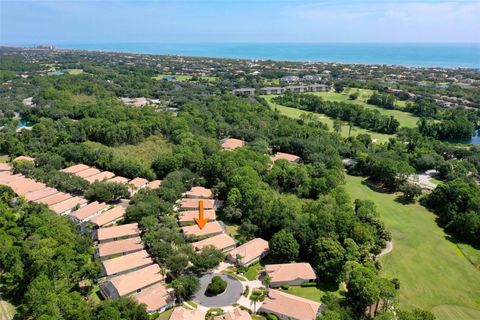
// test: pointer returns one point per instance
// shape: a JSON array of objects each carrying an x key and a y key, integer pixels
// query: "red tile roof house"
[
  {"x": 157, "y": 298},
  {"x": 193, "y": 204},
  {"x": 24, "y": 158},
  {"x": 292, "y": 274},
  {"x": 25, "y": 185},
  {"x": 289, "y": 307},
  {"x": 199, "y": 193},
  {"x": 210, "y": 229},
  {"x": 67, "y": 206},
  {"x": 137, "y": 184},
  {"x": 104, "y": 175},
  {"x": 154, "y": 184},
  {"x": 232, "y": 144},
  {"x": 54, "y": 198},
  {"x": 221, "y": 242},
  {"x": 40, "y": 194},
  {"x": 181, "y": 313},
  {"x": 286, "y": 156},
  {"x": 75, "y": 168},
  {"x": 124, "y": 264},
  {"x": 87, "y": 173},
  {"x": 249, "y": 252},
  {"x": 113, "y": 249},
  {"x": 235, "y": 314},
  {"x": 108, "y": 217},
  {"x": 132, "y": 282},
  {"x": 5, "y": 167},
  {"x": 87, "y": 212},
  {"x": 119, "y": 179},
  {"x": 188, "y": 217},
  {"x": 124, "y": 231}
]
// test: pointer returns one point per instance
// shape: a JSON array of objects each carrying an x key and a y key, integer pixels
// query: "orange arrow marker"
[{"x": 201, "y": 220}]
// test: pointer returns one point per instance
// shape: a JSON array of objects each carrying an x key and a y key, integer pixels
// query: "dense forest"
[{"x": 303, "y": 205}]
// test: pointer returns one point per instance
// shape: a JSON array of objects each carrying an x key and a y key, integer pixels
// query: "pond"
[
  {"x": 475, "y": 139},
  {"x": 24, "y": 123}
]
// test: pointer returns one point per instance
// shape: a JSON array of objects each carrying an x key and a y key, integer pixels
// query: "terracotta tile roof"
[
  {"x": 155, "y": 297},
  {"x": 286, "y": 156},
  {"x": 124, "y": 230},
  {"x": 188, "y": 216},
  {"x": 129, "y": 283},
  {"x": 209, "y": 229},
  {"x": 88, "y": 211},
  {"x": 290, "y": 306},
  {"x": 235, "y": 314},
  {"x": 23, "y": 186},
  {"x": 68, "y": 204},
  {"x": 7, "y": 177},
  {"x": 54, "y": 198},
  {"x": 5, "y": 167},
  {"x": 138, "y": 182},
  {"x": 154, "y": 184},
  {"x": 126, "y": 262},
  {"x": 104, "y": 175},
  {"x": 109, "y": 216},
  {"x": 119, "y": 179},
  {"x": 75, "y": 168},
  {"x": 87, "y": 173},
  {"x": 232, "y": 143},
  {"x": 221, "y": 242},
  {"x": 190, "y": 203},
  {"x": 39, "y": 194},
  {"x": 250, "y": 250},
  {"x": 181, "y": 313},
  {"x": 199, "y": 192},
  {"x": 120, "y": 246},
  {"x": 290, "y": 272}
]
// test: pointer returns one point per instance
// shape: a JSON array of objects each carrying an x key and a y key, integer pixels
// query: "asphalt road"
[{"x": 232, "y": 293}]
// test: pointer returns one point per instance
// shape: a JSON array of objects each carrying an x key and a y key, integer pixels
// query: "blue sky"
[{"x": 380, "y": 21}]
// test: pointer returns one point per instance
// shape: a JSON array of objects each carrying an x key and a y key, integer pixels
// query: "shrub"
[
  {"x": 285, "y": 287},
  {"x": 216, "y": 286},
  {"x": 309, "y": 284},
  {"x": 271, "y": 316}
]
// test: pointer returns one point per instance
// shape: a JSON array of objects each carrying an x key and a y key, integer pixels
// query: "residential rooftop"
[
  {"x": 189, "y": 216},
  {"x": 182, "y": 313},
  {"x": 109, "y": 216},
  {"x": 39, "y": 194},
  {"x": 104, "y": 175},
  {"x": 87, "y": 173},
  {"x": 75, "y": 168},
  {"x": 118, "y": 247},
  {"x": 250, "y": 250},
  {"x": 199, "y": 192},
  {"x": 210, "y": 228},
  {"x": 232, "y": 143},
  {"x": 190, "y": 203},
  {"x": 54, "y": 198},
  {"x": 89, "y": 211},
  {"x": 221, "y": 242},
  {"x": 131, "y": 282},
  {"x": 126, "y": 262},
  {"x": 66, "y": 205},
  {"x": 285, "y": 156},
  {"x": 290, "y": 272},
  {"x": 111, "y": 233},
  {"x": 155, "y": 297},
  {"x": 290, "y": 306}
]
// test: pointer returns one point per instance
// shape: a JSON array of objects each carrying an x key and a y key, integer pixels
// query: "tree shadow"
[
  {"x": 401, "y": 199},
  {"x": 375, "y": 186}
]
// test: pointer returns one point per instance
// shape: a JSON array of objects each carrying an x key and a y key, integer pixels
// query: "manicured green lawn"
[
  {"x": 311, "y": 293},
  {"x": 258, "y": 317},
  {"x": 406, "y": 119},
  {"x": 252, "y": 271},
  {"x": 433, "y": 272},
  {"x": 165, "y": 315},
  {"x": 295, "y": 113},
  {"x": 74, "y": 71}
]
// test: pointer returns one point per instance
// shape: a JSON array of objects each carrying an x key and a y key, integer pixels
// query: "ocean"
[{"x": 414, "y": 55}]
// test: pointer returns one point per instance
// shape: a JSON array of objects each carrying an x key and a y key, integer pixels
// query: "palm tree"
[
  {"x": 179, "y": 289},
  {"x": 255, "y": 297},
  {"x": 267, "y": 280}
]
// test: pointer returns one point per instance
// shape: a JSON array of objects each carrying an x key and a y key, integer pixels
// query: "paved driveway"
[{"x": 232, "y": 293}]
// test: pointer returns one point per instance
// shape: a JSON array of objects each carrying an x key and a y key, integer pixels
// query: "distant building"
[
  {"x": 244, "y": 92},
  {"x": 285, "y": 156},
  {"x": 231, "y": 143},
  {"x": 272, "y": 90},
  {"x": 289, "y": 79}
]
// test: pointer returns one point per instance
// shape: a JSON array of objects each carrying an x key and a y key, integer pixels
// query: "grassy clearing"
[
  {"x": 165, "y": 315},
  {"x": 256, "y": 317},
  {"x": 74, "y": 71},
  {"x": 312, "y": 293},
  {"x": 3, "y": 158},
  {"x": 146, "y": 151},
  {"x": 181, "y": 77},
  {"x": 252, "y": 271},
  {"x": 433, "y": 272},
  {"x": 295, "y": 113},
  {"x": 406, "y": 119}
]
